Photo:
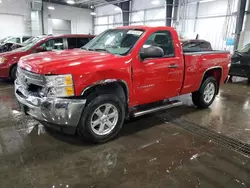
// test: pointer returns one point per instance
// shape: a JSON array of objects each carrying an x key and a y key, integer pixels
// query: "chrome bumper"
[{"x": 57, "y": 111}]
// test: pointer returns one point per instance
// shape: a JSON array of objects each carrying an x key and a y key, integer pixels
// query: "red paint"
[
  {"x": 148, "y": 81},
  {"x": 13, "y": 57}
]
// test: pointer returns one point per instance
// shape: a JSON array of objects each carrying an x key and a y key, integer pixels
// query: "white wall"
[
  {"x": 212, "y": 23},
  {"x": 107, "y": 16},
  {"x": 245, "y": 34},
  {"x": 16, "y": 15},
  {"x": 81, "y": 20},
  {"x": 141, "y": 16},
  {"x": 145, "y": 4}
]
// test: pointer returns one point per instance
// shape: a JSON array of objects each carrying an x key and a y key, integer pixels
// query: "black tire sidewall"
[
  {"x": 13, "y": 72},
  {"x": 85, "y": 125},
  {"x": 202, "y": 89}
]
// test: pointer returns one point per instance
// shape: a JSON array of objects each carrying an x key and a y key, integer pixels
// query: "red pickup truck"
[
  {"x": 122, "y": 73},
  {"x": 8, "y": 60}
]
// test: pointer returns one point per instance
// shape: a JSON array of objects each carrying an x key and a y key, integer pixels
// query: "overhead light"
[
  {"x": 91, "y": 6},
  {"x": 71, "y": 2},
  {"x": 117, "y": 8},
  {"x": 51, "y": 8},
  {"x": 206, "y": 1},
  {"x": 93, "y": 13},
  {"x": 155, "y": 2}
]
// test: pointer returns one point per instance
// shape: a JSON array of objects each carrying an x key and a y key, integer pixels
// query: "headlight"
[
  {"x": 2, "y": 60},
  {"x": 60, "y": 85}
]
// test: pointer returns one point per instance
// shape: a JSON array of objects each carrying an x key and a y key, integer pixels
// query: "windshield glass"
[
  {"x": 4, "y": 39},
  {"x": 115, "y": 41},
  {"x": 32, "y": 39},
  {"x": 28, "y": 46},
  {"x": 245, "y": 49}
]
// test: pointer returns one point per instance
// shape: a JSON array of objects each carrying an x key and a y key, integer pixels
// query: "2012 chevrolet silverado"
[{"x": 124, "y": 72}]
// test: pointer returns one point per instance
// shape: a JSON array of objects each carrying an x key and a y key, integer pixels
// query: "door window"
[
  {"x": 246, "y": 49},
  {"x": 72, "y": 43},
  {"x": 205, "y": 46},
  {"x": 53, "y": 44},
  {"x": 162, "y": 39}
]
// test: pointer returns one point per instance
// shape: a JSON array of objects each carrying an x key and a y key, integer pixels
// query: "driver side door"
[{"x": 156, "y": 79}]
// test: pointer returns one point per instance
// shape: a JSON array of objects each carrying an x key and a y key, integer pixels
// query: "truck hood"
[{"x": 48, "y": 62}]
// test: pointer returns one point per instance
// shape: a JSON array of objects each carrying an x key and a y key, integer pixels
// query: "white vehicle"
[{"x": 15, "y": 39}]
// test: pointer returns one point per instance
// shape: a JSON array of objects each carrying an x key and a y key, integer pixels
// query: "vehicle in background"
[
  {"x": 9, "y": 46},
  {"x": 15, "y": 39},
  {"x": 195, "y": 45},
  {"x": 125, "y": 72},
  {"x": 240, "y": 63},
  {"x": 8, "y": 60}
]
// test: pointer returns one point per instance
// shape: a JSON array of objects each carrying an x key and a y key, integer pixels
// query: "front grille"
[
  {"x": 33, "y": 83},
  {"x": 27, "y": 78}
]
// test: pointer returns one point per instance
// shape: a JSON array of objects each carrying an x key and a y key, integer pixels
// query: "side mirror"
[
  {"x": 40, "y": 49},
  {"x": 151, "y": 52}
]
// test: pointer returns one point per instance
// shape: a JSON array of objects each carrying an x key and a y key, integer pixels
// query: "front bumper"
[{"x": 58, "y": 113}]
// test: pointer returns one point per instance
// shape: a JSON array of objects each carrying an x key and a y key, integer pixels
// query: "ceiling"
[{"x": 86, "y": 3}]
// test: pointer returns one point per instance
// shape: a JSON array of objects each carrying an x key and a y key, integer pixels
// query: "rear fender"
[{"x": 216, "y": 72}]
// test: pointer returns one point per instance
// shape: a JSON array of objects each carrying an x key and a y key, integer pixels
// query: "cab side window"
[
  {"x": 72, "y": 42},
  {"x": 77, "y": 42},
  {"x": 162, "y": 39},
  {"x": 53, "y": 44}
]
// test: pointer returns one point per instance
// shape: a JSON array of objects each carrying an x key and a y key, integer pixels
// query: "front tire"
[
  {"x": 205, "y": 96},
  {"x": 102, "y": 119},
  {"x": 13, "y": 72}
]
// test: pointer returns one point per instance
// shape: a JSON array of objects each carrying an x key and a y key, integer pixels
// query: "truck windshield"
[
  {"x": 245, "y": 49},
  {"x": 115, "y": 41},
  {"x": 4, "y": 39},
  {"x": 28, "y": 45}
]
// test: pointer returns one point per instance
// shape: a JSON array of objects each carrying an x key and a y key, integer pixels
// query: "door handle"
[{"x": 172, "y": 66}]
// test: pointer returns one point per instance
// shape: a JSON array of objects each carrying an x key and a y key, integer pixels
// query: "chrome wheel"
[
  {"x": 209, "y": 92},
  {"x": 104, "y": 119}
]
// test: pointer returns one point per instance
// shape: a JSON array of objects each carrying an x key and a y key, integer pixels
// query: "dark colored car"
[
  {"x": 240, "y": 63},
  {"x": 195, "y": 45},
  {"x": 8, "y": 60},
  {"x": 9, "y": 46}
]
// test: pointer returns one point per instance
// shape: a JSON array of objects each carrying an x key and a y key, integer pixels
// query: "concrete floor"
[{"x": 152, "y": 151}]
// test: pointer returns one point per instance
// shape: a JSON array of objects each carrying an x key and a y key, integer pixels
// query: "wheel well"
[
  {"x": 118, "y": 88},
  {"x": 216, "y": 73}
]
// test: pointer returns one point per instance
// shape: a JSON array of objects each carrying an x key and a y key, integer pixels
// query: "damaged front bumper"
[{"x": 59, "y": 113}]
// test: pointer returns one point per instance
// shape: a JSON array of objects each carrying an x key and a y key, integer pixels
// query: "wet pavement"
[{"x": 152, "y": 151}]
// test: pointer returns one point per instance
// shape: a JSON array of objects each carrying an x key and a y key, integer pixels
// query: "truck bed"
[{"x": 197, "y": 63}]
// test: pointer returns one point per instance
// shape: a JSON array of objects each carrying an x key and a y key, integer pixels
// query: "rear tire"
[
  {"x": 13, "y": 72},
  {"x": 98, "y": 125},
  {"x": 230, "y": 78},
  {"x": 205, "y": 96}
]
